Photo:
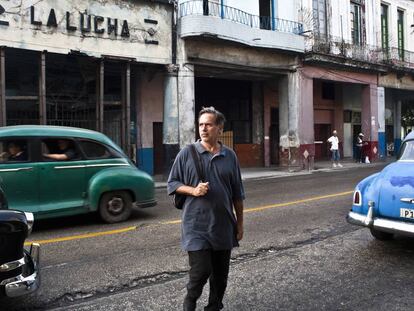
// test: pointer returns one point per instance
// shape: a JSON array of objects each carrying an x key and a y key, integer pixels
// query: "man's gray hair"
[{"x": 220, "y": 119}]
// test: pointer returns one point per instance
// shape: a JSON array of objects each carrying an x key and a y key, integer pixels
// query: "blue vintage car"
[{"x": 384, "y": 202}]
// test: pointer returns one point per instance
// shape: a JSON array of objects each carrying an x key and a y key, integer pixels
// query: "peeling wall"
[
  {"x": 56, "y": 26},
  {"x": 151, "y": 100}
]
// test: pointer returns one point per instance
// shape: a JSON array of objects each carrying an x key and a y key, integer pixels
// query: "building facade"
[
  {"x": 241, "y": 57},
  {"x": 92, "y": 64}
]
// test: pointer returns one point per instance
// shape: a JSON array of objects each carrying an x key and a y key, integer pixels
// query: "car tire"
[
  {"x": 115, "y": 206},
  {"x": 381, "y": 235}
]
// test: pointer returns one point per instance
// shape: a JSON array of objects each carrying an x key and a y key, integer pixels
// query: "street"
[{"x": 298, "y": 253}]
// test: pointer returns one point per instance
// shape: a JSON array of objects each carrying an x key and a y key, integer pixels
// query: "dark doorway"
[
  {"x": 356, "y": 129},
  {"x": 265, "y": 14},
  {"x": 322, "y": 133},
  {"x": 158, "y": 148},
  {"x": 274, "y": 136}
]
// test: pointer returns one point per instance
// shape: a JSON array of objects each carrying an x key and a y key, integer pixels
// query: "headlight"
[{"x": 30, "y": 221}]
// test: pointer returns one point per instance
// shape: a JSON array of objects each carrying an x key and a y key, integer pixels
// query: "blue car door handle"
[{"x": 407, "y": 200}]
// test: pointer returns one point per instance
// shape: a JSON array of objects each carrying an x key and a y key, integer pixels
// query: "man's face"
[
  {"x": 62, "y": 144},
  {"x": 208, "y": 129},
  {"x": 335, "y": 133}
]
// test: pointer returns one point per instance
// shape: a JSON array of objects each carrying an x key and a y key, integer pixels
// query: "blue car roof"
[{"x": 409, "y": 136}]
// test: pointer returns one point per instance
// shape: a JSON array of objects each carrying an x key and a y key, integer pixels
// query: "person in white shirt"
[{"x": 334, "y": 141}]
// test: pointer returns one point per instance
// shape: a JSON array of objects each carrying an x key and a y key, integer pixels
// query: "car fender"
[
  {"x": 369, "y": 188},
  {"x": 138, "y": 183}
]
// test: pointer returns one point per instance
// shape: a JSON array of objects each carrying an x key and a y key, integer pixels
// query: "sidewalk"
[{"x": 257, "y": 173}]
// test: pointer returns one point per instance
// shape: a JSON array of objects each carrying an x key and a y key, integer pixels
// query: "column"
[
  {"x": 369, "y": 120},
  {"x": 2, "y": 87},
  {"x": 42, "y": 88},
  {"x": 186, "y": 105},
  {"x": 382, "y": 144},
  {"x": 100, "y": 95},
  {"x": 257, "y": 122},
  {"x": 306, "y": 122},
  {"x": 397, "y": 126},
  {"x": 297, "y": 148},
  {"x": 171, "y": 141}
]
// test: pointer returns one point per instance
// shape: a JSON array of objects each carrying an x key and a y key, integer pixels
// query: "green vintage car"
[{"x": 55, "y": 171}]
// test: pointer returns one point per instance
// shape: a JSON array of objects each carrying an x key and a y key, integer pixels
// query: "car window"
[
  {"x": 94, "y": 150},
  {"x": 407, "y": 151},
  {"x": 59, "y": 149},
  {"x": 13, "y": 150}
]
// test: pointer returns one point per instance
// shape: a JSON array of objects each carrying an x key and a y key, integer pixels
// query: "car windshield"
[{"x": 407, "y": 151}]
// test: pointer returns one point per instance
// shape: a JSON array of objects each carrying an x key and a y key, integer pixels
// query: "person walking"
[
  {"x": 212, "y": 215},
  {"x": 359, "y": 144},
  {"x": 334, "y": 141}
]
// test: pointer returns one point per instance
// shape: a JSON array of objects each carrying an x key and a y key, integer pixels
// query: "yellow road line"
[
  {"x": 178, "y": 221},
  {"x": 261, "y": 208},
  {"x": 82, "y": 236}
]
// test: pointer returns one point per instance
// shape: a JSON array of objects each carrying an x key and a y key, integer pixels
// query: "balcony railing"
[
  {"x": 366, "y": 53},
  {"x": 208, "y": 8}
]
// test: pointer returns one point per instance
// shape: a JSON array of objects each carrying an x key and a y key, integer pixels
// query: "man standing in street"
[
  {"x": 212, "y": 217},
  {"x": 334, "y": 141},
  {"x": 359, "y": 144}
]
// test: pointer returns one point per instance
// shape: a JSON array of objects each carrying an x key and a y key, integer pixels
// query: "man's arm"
[
  {"x": 198, "y": 191},
  {"x": 238, "y": 207},
  {"x": 56, "y": 156}
]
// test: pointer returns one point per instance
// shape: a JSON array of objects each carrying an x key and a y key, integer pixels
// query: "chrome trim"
[
  {"x": 20, "y": 285},
  {"x": 16, "y": 169},
  {"x": 30, "y": 221},
  {"x": 8, "y": 266},
  {"x": 407, "y": 200},
  {"x": 106, "y": 164},
  {"x": 381, "y": 224},
  {"x": 69, "y": 166}
]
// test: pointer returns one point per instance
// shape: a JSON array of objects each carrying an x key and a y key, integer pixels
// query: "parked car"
[
  {"x": 384, "y": 202},
  {"x": 19, "y": 268},
  {"x": 54, "y": 171}
]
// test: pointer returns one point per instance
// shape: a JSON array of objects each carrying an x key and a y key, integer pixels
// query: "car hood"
[{"x": 397, "y": 182}]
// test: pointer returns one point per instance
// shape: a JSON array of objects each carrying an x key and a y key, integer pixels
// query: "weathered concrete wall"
[
  {"x": 143, "y": 30},
  {"x": 257, "y": 110},
  {"x": 186, "y": 105},
  {"x": 151, "y": 94},
  {"x": 391, "y": 80},
  {"x": 238, "y": 56}
]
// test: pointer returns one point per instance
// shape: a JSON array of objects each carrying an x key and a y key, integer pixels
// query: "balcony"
[
  {"x": 339, "y": 51},
  {"x": 212, "y": 19}
]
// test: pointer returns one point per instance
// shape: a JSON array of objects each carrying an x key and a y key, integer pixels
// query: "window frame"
[{"x": 114, "y": 153}]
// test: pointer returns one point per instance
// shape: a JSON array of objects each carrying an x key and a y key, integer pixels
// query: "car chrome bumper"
[
  {"x": 381, "y": 224},
  {"x": 22, "y": 285}
]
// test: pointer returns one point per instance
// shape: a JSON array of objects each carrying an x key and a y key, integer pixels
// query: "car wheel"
[
  {"x": 115, "y": 206},
  {"x": 381, "y": 235}
]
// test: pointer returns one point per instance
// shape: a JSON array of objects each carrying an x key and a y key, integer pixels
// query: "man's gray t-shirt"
[{"x": 208, "y": 222}]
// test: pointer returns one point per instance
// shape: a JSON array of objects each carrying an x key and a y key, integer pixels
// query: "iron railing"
[
  {"x": 209, "y": 8},
  {"x": 367, "y": 53}
]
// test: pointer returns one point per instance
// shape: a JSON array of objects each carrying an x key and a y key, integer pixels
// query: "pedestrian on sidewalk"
[
  {"x": 334, "y": 141},
  {"x": 359, "y": 153},
  {"x": 212, "y": 216}
]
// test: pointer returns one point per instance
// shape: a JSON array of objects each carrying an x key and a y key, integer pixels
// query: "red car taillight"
[{"x": 357, "y": 198}]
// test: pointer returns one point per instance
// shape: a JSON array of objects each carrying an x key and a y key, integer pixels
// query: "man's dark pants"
[{"x": 204, "y": 265}]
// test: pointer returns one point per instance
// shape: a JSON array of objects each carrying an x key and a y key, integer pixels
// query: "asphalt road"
[{"x": 298, "y": 254}]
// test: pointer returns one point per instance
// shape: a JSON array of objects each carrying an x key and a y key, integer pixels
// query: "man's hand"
[
  {"x": 200, "y": 190},
  {"x": 239, "y": 235}
]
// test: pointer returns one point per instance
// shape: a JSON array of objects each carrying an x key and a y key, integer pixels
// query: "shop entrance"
[{"x": 322, "y": 133}]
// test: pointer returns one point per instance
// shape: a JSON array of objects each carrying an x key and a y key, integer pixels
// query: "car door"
[
  {"x": 100, "y": 157},
  {"x": 61, "y": 181},
  {"x": 19, "y": 174}
]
